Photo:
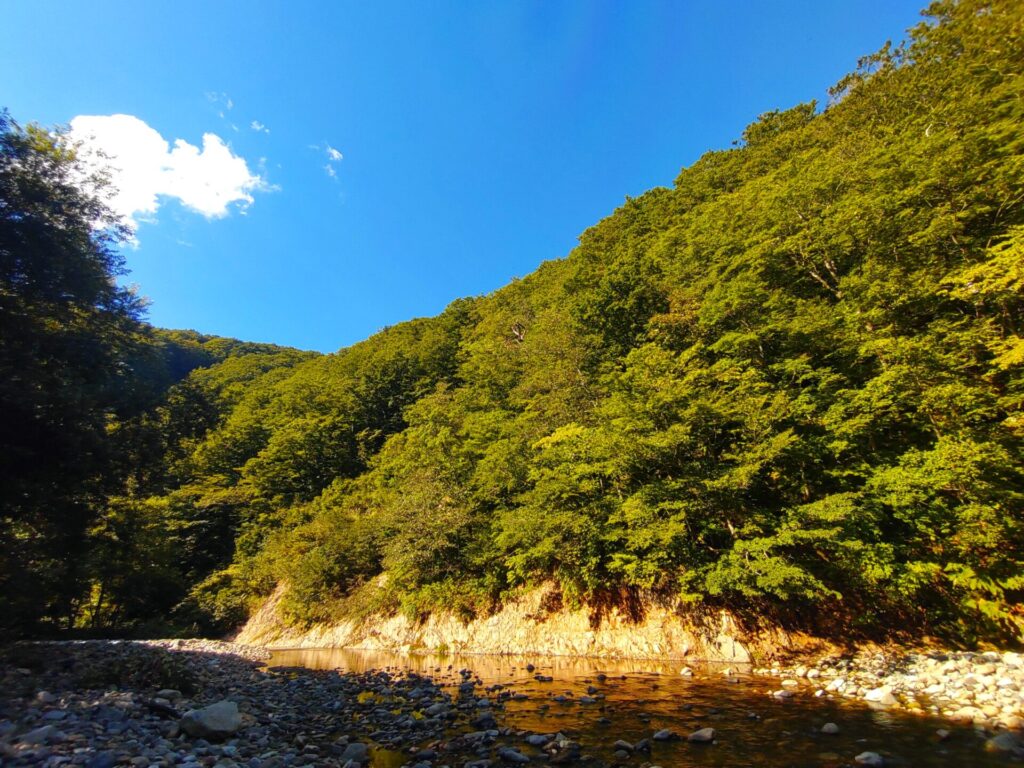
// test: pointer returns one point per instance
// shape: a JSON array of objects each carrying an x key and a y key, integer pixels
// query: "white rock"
[
  {"x": 870, "y": 759},
  {"x": 969, "y": 714},
  {"x": 830, "y": 728},
  {"x": 882, "y": 696},
  {"x": 216, "y": 721}
]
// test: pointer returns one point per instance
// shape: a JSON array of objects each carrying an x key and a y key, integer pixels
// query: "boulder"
[
  {"x": 356, "y": 752},
  {"x": 217, "y": 721},
  {"x": 1005, "y": 742},
  {"x": 703, "y": 736}
]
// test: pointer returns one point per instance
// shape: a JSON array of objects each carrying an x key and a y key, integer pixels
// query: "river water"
[{"x": 641, "y": 697}]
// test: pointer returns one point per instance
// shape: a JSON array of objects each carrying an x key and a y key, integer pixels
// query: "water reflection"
[{"x": 634, "y": 699}]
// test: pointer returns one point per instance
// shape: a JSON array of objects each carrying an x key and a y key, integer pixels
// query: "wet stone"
[
  {"x": 702, "y": 736},
  {"x": 870, "y": 760}
]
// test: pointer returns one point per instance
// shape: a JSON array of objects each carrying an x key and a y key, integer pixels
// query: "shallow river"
[{"x": 641, "y": 697}]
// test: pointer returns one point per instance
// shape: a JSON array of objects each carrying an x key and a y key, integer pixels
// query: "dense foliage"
[
  {"x": 66, "y": 329},
  {"x": 791, "y": 385},
  {"x": 90, "y": 409}
]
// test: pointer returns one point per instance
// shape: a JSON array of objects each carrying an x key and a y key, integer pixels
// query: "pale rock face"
[{"x": 522, "y": 626}]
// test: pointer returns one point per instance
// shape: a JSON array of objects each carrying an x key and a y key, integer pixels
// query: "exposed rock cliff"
[{"x": 523, "y": 626}]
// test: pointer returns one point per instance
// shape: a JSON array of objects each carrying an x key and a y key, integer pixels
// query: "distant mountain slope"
[{"x": 791, "y": 385}]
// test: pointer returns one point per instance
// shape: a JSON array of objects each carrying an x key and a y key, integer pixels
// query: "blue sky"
[{"x": 477, "y": 139}]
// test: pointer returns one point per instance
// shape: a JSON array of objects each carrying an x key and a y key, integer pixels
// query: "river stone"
[
  {"x": 665, "y": 734},
  {"x": 102, "y": 760},
  {"x": 1004, "y": 742},
  {"x": 484, "y": 721},
  {"x": 870, "y": 759},
  {"x": 41, "y": 735},
  {"x": 356, "y": 752},
  {"x": 881, "y": 696},
  {"x": 512, "y": 755},
  {"x": 969, "y": 714},
  {"x": 830, "y": 728},
  {"x": 216, "y": 721},
  {"x": 703, "y": 736}
]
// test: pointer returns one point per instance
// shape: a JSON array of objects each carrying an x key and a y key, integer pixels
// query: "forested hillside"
[{"x": 791, "y": 385}]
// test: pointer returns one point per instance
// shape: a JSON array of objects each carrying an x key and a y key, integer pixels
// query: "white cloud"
[
  {"x": 144, "y": 168},
  {"x": 333, "y": 156},
  {"x": 219, "y": 97},
  {"x": 259, "y": 127}
]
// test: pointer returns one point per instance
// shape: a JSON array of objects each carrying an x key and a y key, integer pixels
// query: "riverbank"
[
  {"x": 201, "y": 704},
  {"x": 206, "y": 704},
  {"x": 986, "y": 689}
]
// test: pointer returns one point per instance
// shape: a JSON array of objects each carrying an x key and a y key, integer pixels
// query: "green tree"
[{"x": 69, "y": 331}]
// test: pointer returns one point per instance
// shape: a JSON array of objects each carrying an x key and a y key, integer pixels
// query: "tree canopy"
[{"x": 792, "y": 385}]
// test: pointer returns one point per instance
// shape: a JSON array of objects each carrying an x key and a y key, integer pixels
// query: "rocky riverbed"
[
  {"x": 982, "y": 688},
  {"x": 203, "y": 704}
]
